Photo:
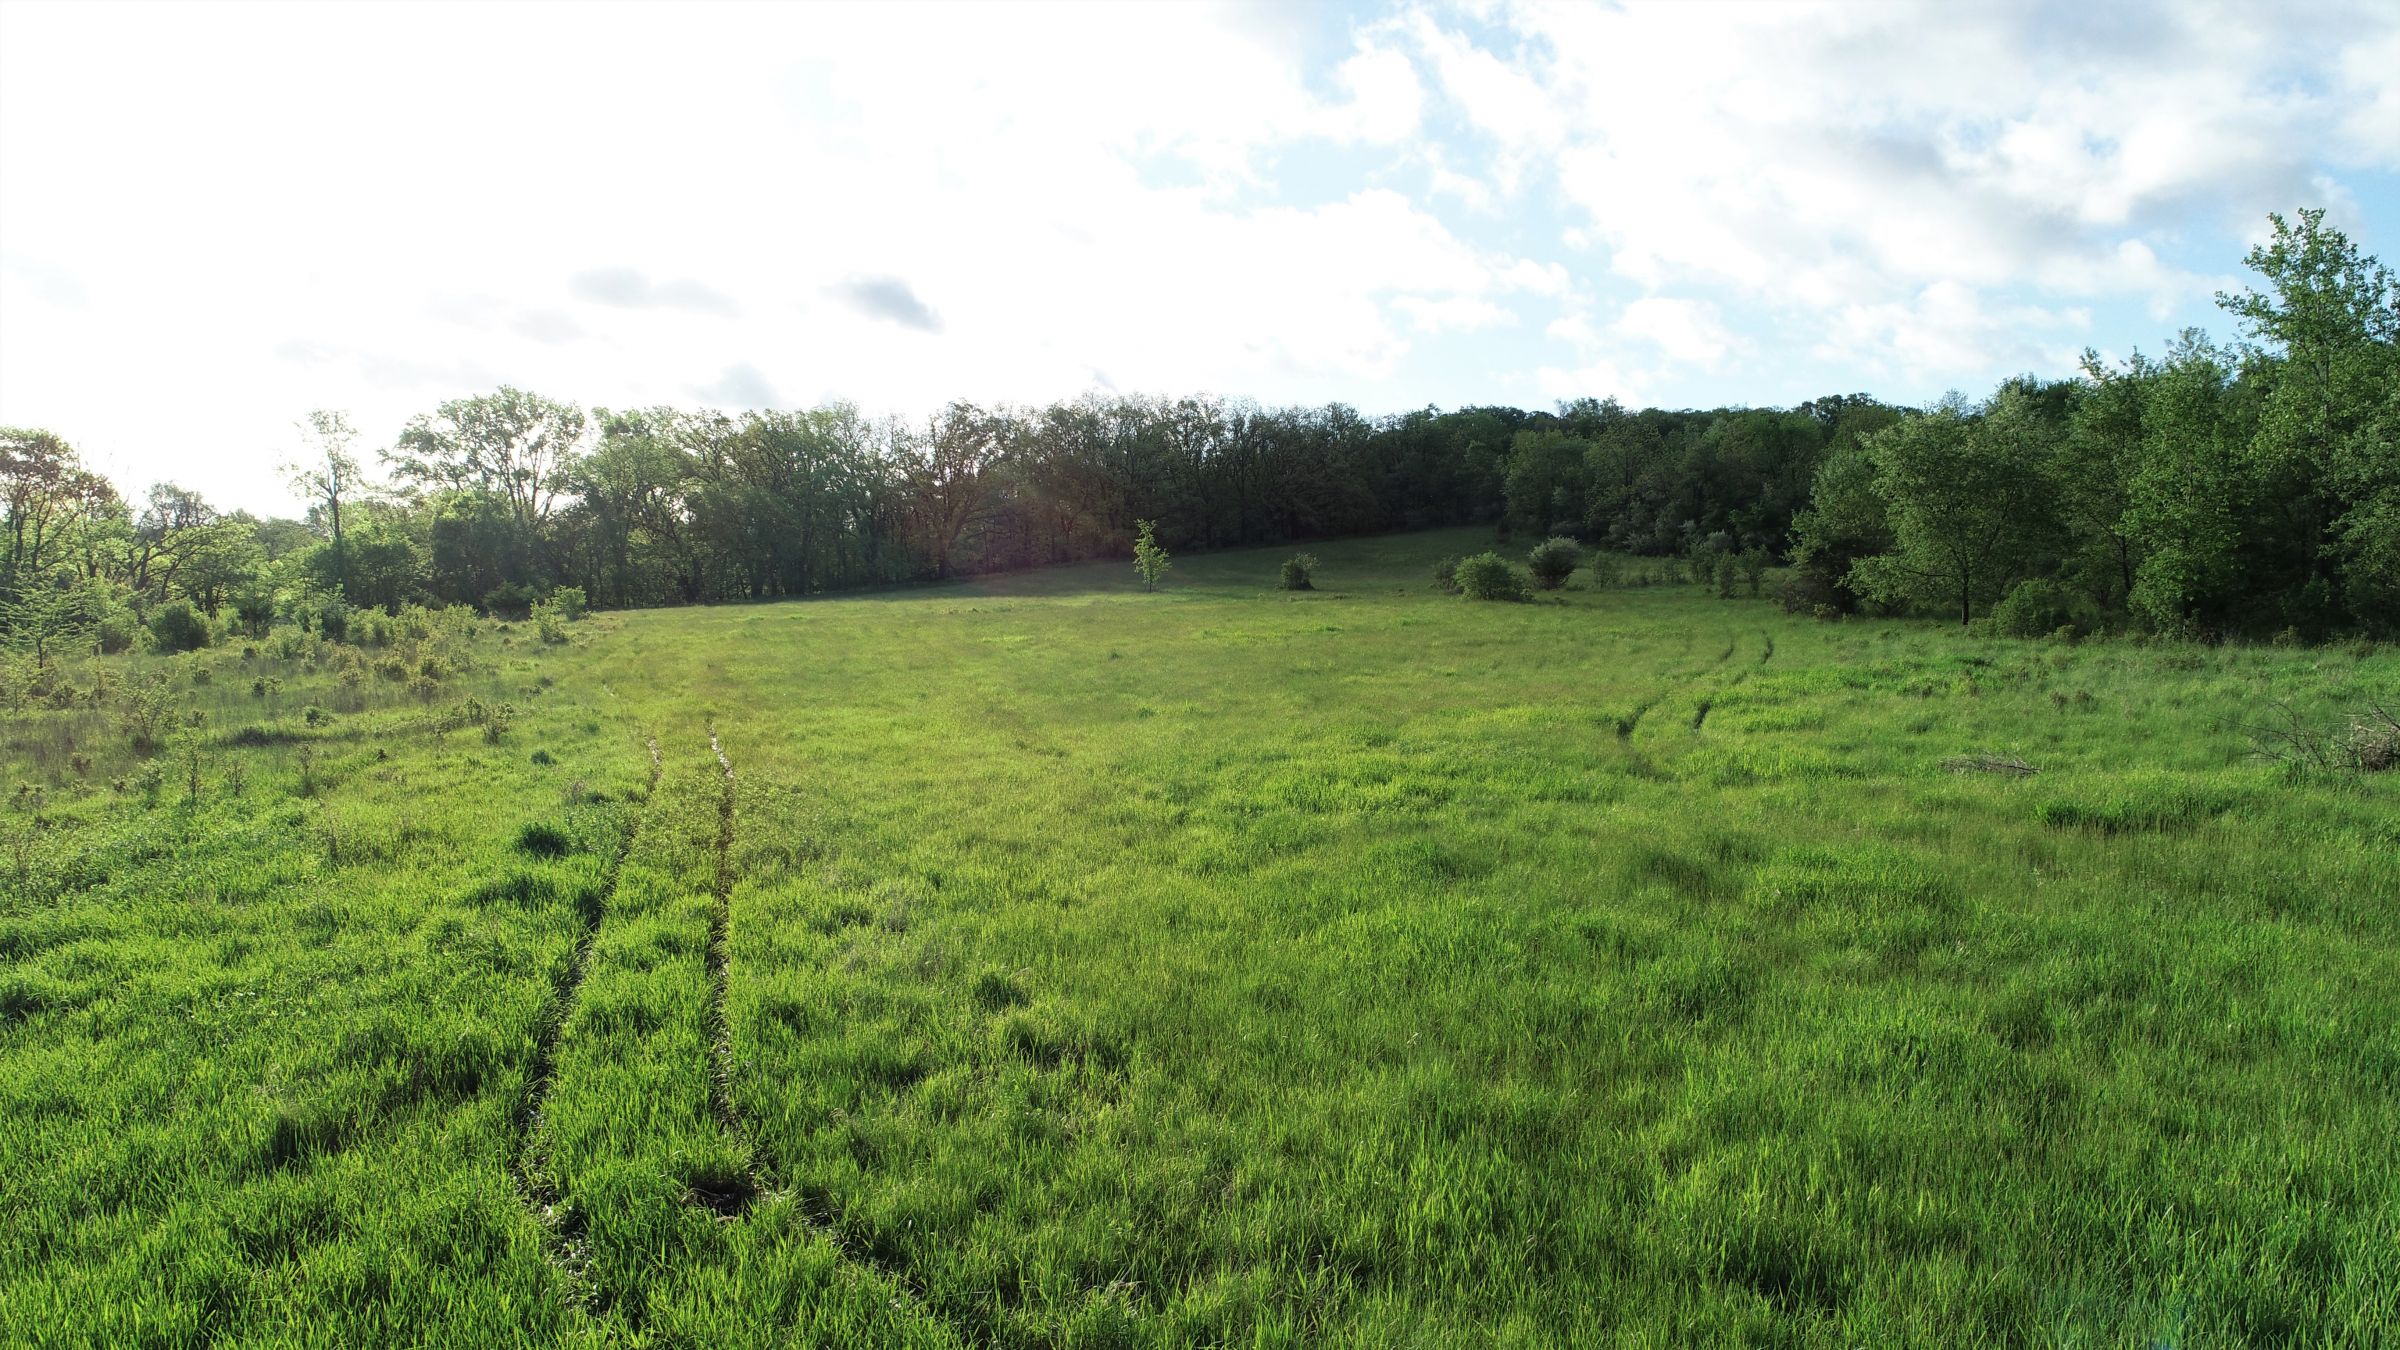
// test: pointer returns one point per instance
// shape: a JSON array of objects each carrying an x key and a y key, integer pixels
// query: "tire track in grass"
[
  {"x": 537, "y": 1188},
  {"x": 821, "y": 1211},
  {"x": 729, "y": 1197}
]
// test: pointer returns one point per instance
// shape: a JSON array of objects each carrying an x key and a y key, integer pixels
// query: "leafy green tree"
[
  {"x": 46, "y": 615},
  {"x": 1845, "y": 522},
  {"x": 220, "y": 561},
  {"x": 2094, "y": 469},
  {"x": 1149, "y": 559},
  {"x": 2190, "y": 494},
  {"x": 383, "y": 565},
  {"x": 2327, "y": 329},
  {"x": 949, "y": 479},
  {"x": 1546, "y": 484},
  {"x": 46, "y": 496},
  {"x": 1962, "y": 495},
  {"x": 517, "y": 447},
  {"x": 328, "y": 477}
]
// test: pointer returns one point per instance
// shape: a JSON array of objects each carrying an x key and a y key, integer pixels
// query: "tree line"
[{"x": 2209, "y": 491}]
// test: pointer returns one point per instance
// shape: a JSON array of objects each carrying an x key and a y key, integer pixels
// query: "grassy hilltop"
[{"x": 1036, "y": 961}]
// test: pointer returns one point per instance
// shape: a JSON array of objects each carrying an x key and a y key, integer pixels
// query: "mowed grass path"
[{"x": 1063, "y": 964}]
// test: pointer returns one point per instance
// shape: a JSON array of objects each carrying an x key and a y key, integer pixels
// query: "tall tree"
[
  {"x": 2327, "y": 329},
  {"x": 45, "y": 492},
  {"x": 513, "y": 445},
  {"x": 2188, "y": 498},
  {"x": 946, "y": 480},
  {"x": 1962, "y": 495},
  {"x": 327, "y": 476}
]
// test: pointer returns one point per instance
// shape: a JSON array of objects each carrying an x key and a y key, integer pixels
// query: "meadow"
[{"x": 1038, "y": 961}]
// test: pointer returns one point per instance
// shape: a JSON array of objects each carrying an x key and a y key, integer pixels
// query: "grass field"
[{"x": 1036, "y": 961}]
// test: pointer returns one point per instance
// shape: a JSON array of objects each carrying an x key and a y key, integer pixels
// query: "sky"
[{"x": 214, "y": 218}]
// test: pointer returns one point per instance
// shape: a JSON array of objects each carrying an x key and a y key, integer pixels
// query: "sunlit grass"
[{"x": 1219, "y": 965}]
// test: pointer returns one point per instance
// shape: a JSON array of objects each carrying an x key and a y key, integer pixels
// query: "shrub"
[
  {"x": 512, "y": 600},
  {"x": 1445, "y": 576},
  {"x": 570, "y": 602},
  {"x": 493, "y": 718},
  {"x": 116, "y": 631},
  {"x": 2373, "y": 744},
  {"x": 1604, "y": 569},
  {"x": 1752, "y": 563},
  {"x": 254, "y": 612},
  {"x": 177, "y": 627},
  {"x": 1488, "y": 576},
  {"x": 2034, "y": 608},
  {"x": 1553, "y": 560},
  {"x": 1296, "y": 570},
  {"x": 146, "y": 713},
  {"x": 1805, "y": 590}
]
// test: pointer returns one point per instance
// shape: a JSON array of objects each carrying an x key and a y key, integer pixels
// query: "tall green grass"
[{"x": 1064, "y": 964}]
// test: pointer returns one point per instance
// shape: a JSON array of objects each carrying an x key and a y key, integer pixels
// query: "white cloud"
[
  {"x": 214, "y": 217},
  {"x": 1594, "y": 379},
  {"x": 1687, "y": 331},
  {"x": 219, "y": 216},
  {"x": 1867, "y": 166},
  {"x": 1947, "y": 329},
  {"x": 1385, "y": 98}
]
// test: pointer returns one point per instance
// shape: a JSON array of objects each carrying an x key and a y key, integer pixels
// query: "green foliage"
[
  {"x": 177, "y": 627},
  {"x": 512, "y": 601},
  {"x": 2189, "y": 495},
  {"x": 2037, "y": 607},
  {"x": 1489, "y": 576},
  {"x": 2218, "y": 492},
  {"x": 254, "y": 611},
  {"x": 1965, "y": 503},
  {"x": 1445, "y": 574},
  {"x": 146, "y": 712},
  {"x": 552, "y": 615},
  {"x": 2328, "y": 435},
  {"x": 1149, "y": 560},
  {"x": 1752, "y": 565},
  {"x": 1552, "y": 561},
  {"x": 1297, "y": 570},
  {"x": 1276, "y": 890}
]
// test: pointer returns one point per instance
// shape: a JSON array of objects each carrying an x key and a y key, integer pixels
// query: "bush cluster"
[
  {"x": 1488, "y": 576},
  {"x": 1553, "y": 560}
]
